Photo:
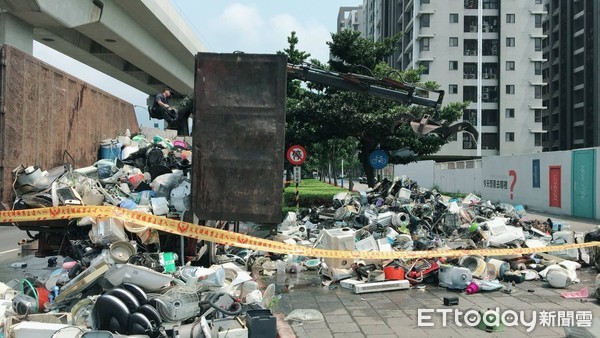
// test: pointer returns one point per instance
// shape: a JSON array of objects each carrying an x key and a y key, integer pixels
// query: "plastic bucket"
[
  {"x": 393, "y": 273},
  {"x": 43, "y": 297},
  {"x": 109, "y": 151}
]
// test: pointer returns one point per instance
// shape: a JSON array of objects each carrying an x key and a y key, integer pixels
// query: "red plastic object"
[
  {"x": 393, "y": 272},
  {"x": 43, "y": 298},
  {"x": 415, "y": 277}
]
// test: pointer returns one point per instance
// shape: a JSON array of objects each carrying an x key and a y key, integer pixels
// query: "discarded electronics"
[{"x": 381, "y": 286}]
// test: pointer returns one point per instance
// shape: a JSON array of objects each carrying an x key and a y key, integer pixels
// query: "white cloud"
[{"x": 241, "y": 27}]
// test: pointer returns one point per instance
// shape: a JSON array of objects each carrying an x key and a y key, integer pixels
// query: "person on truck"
[{"x": 161, "y": 109}]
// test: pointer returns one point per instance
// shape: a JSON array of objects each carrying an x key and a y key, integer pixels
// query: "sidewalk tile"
[
  {"x": 343, "y": 327},
  {"x": 314, "y": 325},
  {"x": 349, "y": 335},
  {"x": 334, "y": 310},
  {"x": 319, "y": 333},
  {"x": 411, "y": 332},
  {"x": 376, "y": 329},
  {"x": 369, "y": 320},
  {"x": 336, "y": 319},
  {"x": 363, "y": 312},
  {"x": 391, "y": 313}
]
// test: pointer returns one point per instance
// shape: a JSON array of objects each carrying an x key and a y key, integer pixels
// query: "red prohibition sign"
[{"x": 296, "y": 154}]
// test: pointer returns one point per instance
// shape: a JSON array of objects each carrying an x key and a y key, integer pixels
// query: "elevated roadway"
[{"x": 143, "y": 43}]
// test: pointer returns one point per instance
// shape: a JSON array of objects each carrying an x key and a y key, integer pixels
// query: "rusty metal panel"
[
  {"x": 239, "y": 130},
  {"x": 45, "y": 111}
]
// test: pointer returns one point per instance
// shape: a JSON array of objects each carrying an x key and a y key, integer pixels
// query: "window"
[
  {"x": 510, "y": 18},
  {"x": 538, "y": 44},
  {"x": 538, "y": 2},
  {"x": 453, "y": 18},
  {"x": 468, "y": 142},
  {"x": 453, "y": 89},
  {"x": 538, "y": 67},
  {"x": 425, "y": 65},
  {"x": 537, "y": 91},
  {"x": 510, "y": 42},
  {"x": 509, "y": 113},
  {"x": 425, "y": 20},
  {"x": 538, "y": 115},
  {"x": 538, "y": 139},
  {"x": 424, "y": 44},
  {"x": 490, "y": 4},
  {"x": 453, "y": 42},
  {"x": 509, "y": 137},
  {"x": 453, "y": 65},
  {"x": 510, "y": 65},
  {"x": 538, "y": 20},
  {"x": 510, "y": 89},
  {"x": 489, "y": 141},
  {"x": 489, "y": 117}
]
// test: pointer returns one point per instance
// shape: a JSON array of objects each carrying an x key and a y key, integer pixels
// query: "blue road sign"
[{"x": 378, "y": 159}]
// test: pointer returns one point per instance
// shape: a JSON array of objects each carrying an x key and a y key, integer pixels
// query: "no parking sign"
[{"x": 296, "y": 154}]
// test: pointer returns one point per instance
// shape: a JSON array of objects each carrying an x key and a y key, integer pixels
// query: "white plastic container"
[
  {"x": 404, "y": 194},
  {"x": 29, "y": 329},
  {"x": 337, "y": 239},
  {"x": 565, "y": 237},
  {"x": 107, "y": 230},
  {"x": 160, "y": 206}
]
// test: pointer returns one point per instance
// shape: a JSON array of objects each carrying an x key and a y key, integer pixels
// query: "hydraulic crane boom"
[{"x": 386, "y": 88}]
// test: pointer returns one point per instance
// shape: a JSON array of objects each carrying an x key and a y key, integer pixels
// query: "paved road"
[{"x": 395, "y": 313}]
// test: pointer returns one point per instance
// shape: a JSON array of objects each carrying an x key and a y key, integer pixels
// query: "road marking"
[{"x": 7, "y": 251}]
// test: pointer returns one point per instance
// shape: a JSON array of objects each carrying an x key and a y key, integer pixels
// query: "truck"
[{"x": 238, "y": 140}]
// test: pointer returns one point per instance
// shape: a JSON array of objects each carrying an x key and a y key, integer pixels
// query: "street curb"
[{"x": 284, "y": 330}]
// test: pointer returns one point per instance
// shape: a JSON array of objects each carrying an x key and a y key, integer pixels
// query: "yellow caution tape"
[{"x": 244, "y": 241}]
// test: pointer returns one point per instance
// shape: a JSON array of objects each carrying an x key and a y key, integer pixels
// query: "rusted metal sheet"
[
  {"x": 239, "y": 130},
  {"x": 45, "y": 111}
]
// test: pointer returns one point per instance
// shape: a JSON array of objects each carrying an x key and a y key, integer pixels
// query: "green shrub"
[{"x": 311, "y": 192}]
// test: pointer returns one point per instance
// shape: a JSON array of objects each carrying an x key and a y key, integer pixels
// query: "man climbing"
[{"x": 161, "y": 109}]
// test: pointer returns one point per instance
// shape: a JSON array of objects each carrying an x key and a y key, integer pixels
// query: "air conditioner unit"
[{"x": 381, "y": 286}]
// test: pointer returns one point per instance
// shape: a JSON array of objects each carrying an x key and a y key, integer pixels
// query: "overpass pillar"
[{"x": 15, "y": 32}]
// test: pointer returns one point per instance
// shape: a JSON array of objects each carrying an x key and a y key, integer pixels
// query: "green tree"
[{"x": 318, "y": 114}]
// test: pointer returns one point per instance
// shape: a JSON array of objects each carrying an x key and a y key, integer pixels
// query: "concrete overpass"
[{"x": 144, "y": 43}]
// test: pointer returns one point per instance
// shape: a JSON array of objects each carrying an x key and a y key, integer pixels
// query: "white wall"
[
  {"x": 492, "y": 181},
  {"x": 497, "y": 168},
  {"x": 459, "y": 180},
  {"x": 421, "y": 172}
]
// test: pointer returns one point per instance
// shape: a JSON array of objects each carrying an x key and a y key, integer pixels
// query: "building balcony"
[
  {"x": 426, "y": 56},
  {"x": 426, "y": 9}
]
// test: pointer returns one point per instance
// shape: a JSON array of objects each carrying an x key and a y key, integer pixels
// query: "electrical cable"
[{"x": 67, "y": 327}]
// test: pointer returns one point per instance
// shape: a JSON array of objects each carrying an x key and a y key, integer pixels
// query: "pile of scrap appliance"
[
  {"x": 397, "y": 217},
  {"x": 118, "y": 278},
  {"x": 115, "y": 278}
]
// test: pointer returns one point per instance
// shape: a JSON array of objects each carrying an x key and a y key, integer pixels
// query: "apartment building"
[
  {"x": 488, "y": 52},
  {"x": 350, "y": 18},
  {"x": 572, "y": 50}
]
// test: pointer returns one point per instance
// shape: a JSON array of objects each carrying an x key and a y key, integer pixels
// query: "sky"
[{"x": 259, "y": 26}]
